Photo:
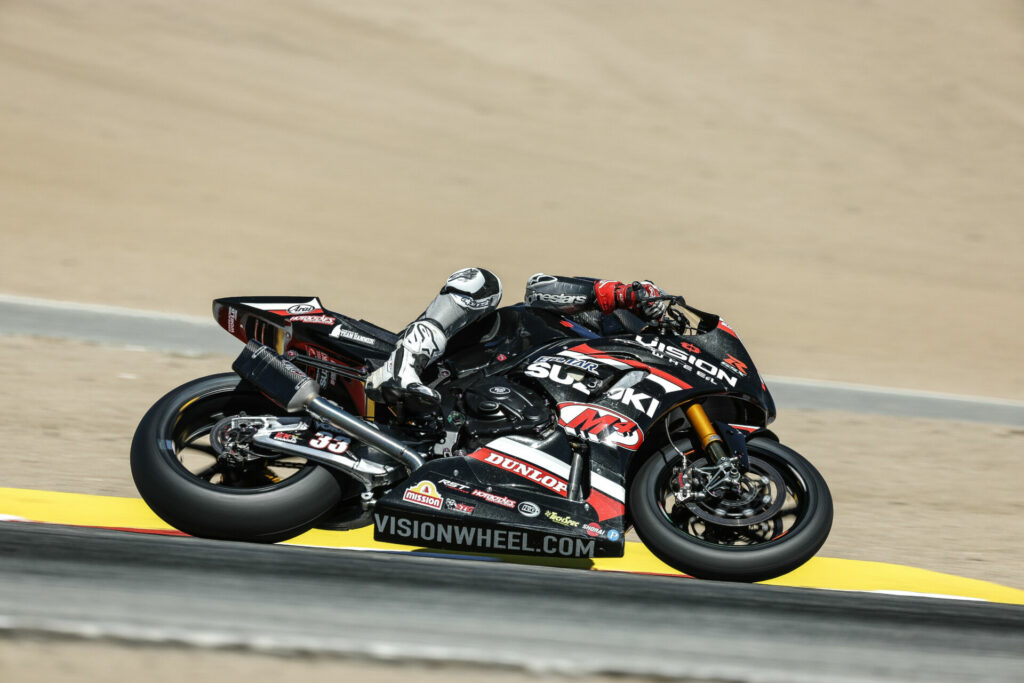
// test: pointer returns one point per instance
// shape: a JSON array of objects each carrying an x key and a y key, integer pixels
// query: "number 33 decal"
[{"x": 327, "y": 442}]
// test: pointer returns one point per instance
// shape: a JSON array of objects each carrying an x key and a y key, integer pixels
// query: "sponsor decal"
[
  {"x": 286, "y": 436},
  {"x": 690, "y": 347},
  {"x": 451, "y": 534},
  {"x": 528, "y": 509},
  {"x": 599, "y": 424},
  {"x": 564, "y": 520},
  {"x": 558, "y": 298},
  {"x": 455, "y": 485},
  {"x": 287, "y": 308},
  {"x": 585, "y": 365},
  {"x": 324, "y": 441},
  {"x": 593, "y": 529},
  {"x": 456, "y": 506},
  {"x": 558, "y": 374},
  {"x": 525, "y": 470},
  {"x": 425, "y": 494},
  {"x": 736, "y": 364},
  {"x": 702, "y": 368},
  {"x": 642, "y": 403},
  {"x": 665, "y": 380},
  {"x": 538, "y": 278},
  {"x": 494, "y": 498},
  {"x": 471, "y": 303},
  {"x": 340, "y": 332},
  {"x": 501, "y": 358},
  {"x": 315, "y": 319},
  {"x": 614, "y": 535},
  {"x": 500, "y": 391},
  {"x": 232, "y": 319},
  {"x": 425, "y": 337},
  {"x": 606, "y": 496}
]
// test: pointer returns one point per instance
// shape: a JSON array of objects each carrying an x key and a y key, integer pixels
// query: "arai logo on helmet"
[{"x": 300, "y": 308}]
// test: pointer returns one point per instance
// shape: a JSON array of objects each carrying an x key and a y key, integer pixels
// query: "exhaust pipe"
[{"x": 293, "y": 390}]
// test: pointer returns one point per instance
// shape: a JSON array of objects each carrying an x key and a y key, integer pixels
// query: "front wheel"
[
  {"x": 774, "y": 520},
  {"x": 195, "y": 489}
]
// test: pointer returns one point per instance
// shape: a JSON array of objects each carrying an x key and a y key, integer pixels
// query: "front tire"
[
  {"x": 258, "y": 502},
  {"x": 703, "y": 550}
]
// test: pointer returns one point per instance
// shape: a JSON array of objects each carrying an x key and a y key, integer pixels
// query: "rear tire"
[
  {"x": 241, "y": 509},
  {"x": 785, "y": 551}
]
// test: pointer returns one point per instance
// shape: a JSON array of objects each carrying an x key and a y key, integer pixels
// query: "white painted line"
[{"x": 941, "y": 596}]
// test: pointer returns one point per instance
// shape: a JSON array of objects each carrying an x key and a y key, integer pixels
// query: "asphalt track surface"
[
  {"x": 195, "y": 335},
  {"x": 161, "y": 589}
]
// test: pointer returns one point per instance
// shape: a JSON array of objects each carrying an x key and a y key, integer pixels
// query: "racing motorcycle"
[{"x": 549, "y": 440}]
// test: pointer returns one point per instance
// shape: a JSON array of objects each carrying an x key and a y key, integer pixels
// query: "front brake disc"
[{"x": 762, "y": 494}]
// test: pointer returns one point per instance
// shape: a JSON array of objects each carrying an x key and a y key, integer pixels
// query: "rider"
[{"x": 471, "y": 293}]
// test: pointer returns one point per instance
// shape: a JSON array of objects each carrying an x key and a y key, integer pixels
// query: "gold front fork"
[{"x": 710, "y": 442}]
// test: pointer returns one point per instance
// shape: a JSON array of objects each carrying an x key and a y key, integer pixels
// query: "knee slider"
[{"x": 474, "y": 288}]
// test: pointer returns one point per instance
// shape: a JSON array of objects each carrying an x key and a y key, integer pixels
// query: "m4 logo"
[
  {"x": 636, "y": 400},
  {"x": 599, "y": 424}
]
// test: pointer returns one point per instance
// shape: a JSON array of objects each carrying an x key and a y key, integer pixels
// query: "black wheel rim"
[
  {"x": 189, "y": 445},
  {"x": 792, "y": 515}
]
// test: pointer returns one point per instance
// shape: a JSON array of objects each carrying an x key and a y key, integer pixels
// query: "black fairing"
[
  {"x": 333, "y": 348},
  {"x": 526, "y": 394},
  {"x": 712, "y": 364},
  {"x": 496, "y": 407}
]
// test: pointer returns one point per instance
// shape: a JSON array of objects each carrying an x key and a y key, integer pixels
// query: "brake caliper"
[{"x": 232, "y": 437}]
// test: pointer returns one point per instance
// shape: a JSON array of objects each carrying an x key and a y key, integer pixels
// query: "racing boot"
[
  {"x": 467, "y": 296},
  {"x": 421, "y": 343}
]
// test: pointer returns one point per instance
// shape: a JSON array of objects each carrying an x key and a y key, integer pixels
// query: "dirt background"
[{"x": 841, "y": 180}]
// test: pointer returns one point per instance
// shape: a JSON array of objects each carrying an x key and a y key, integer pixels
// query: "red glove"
[{"x": 612, "y": 294}]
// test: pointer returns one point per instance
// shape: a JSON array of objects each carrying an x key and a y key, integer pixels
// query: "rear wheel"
[
  {"x": 772, "y": 521},
  {"x": 197, "y": 490}
]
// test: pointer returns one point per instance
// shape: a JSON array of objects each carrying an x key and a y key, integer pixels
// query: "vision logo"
[{"x": 599, "y": 424}]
